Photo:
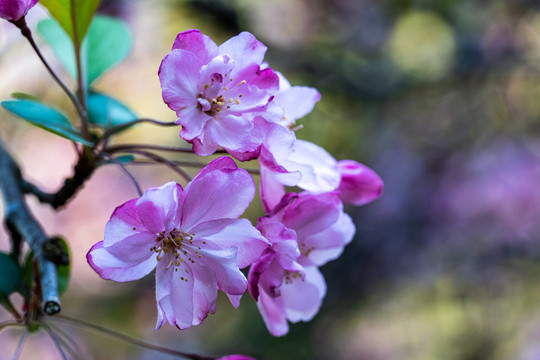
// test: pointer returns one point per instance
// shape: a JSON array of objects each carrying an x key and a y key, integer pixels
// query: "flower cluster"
[{"x": 226, "y": 96}]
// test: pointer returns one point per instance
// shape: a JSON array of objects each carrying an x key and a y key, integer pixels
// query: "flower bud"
[
  {"x": 14, "y": 10},
  {"x": 359, "y": 184}
]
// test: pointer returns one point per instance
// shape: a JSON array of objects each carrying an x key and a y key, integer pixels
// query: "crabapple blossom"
[
  {"x": 13, "y": 10},
  {"x": 192, "y": 237},
  {"x": 306, "y": 231},
  {"x": 316, "y": 169},
  {"x": 215, "y": 89}
]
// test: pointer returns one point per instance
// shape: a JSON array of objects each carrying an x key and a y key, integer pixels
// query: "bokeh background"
[{"x": 441, "y": 98}]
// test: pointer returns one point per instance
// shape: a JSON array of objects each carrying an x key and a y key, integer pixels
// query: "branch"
[
  {"x": 84, "y": 168},
  {"x": 22, "y": 223}
]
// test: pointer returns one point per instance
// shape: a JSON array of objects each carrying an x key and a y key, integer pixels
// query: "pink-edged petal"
[
  {"x": 217, "y": 195},
  {"x": 238, "y": 233},
  {"x": 223, "y": 263},
  {"x": 271, "y": 279},
  {"x": 200, "y": 45},
  {"x": 321, "y": 247},
  {"x": 235, "y": 299},
  {"x": 297, "y": 102},
  {"x": 178, "y": 74},
  {"x": 14, "y": 10},
  {"x": 256, "y": 270},
  {"x": 271, "y": 190},
  {"x": 326, "y": 177},
  {"x": 273, "y": 315},
  {"x": 303, "y": 298},
  {"x": 223, "y": 163},
  {"x": 359, "y": 184},
  {"x": 132, "y": 248},
  {"x": 204, "y": 145},
  {"x": 265, "y": 79},
  {"x": 124, "y": 222},
  {"x": 193, "y": 120},
  {"x": 158, "y": 207},
  {"x": 283, "y": 242},
  {"x": 175, "y": 295},
  {"x": 310, "y": 213},
  {"x": 244, "y": 48},
  {"x": 110, "y": 268},
  {"x": 214, "y": 76},
  {"x": 204, "y": 293},
  {"x": 231, "y": 132}
]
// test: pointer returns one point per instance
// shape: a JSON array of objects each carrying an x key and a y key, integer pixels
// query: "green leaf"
[
  {"x": 107, "y": 43},
  {"x": 63, "y": 270},
  {"x": 107, "y": 112},
  {"x": 24, "y": 96},
  {"x": 62, "y": 11},
  {"x": 45, "y": 117},
  {"x": 10, "y": 274},
  {"x": 59, "y": 40}
]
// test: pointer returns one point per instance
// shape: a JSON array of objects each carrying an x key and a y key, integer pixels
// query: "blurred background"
[{"x": 441, "y": 98}]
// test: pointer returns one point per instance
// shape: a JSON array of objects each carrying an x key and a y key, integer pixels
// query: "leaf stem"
[
  {"x": 25, "y": 31},
  {"x": 81, "y": 88}
]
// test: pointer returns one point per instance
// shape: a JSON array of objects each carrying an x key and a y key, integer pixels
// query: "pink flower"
[
  {"x": 286, "y": 160},
  {"x": 192, "y": 237},
  {"x": 306, "y": 231},
  {"x": 13, "y": 10},
  {"x": 359, "y": 184},
  {"x": 214, "y": 89}
]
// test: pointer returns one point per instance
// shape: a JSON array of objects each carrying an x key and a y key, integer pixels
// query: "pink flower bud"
[
  {"x": 359, "y": 184},
  {"x": 13, "y": 10}
]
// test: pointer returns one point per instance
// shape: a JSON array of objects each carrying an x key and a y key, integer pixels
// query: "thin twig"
[
  {"x": 81, "y": 87},
  {"x": 20, "y": 345},
  {"x": 129, "y": 339},
  {"x": 107, "y": 134},
  {"x": 161, "y": 159},
  {"x": 129, "y": 147},
  {"x": 127, "y": 172},
  {"x": 193, "y": 164},
  {"x": 25, "y": 30},
  {"x": 75, "y": 346},
  {"x": 55, "y": 340},
  {"x": 9, "y": 323}
]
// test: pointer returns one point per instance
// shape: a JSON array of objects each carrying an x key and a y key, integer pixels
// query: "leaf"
[
  {"x": 62, "y": 10},
  {"x": 11, "y": 274},
  {"x": 107, "y": 43},
  {"x": 122, "y": 159},
  {"x": 63, "y": 270},
  {"x": 24, "y": 96},
  {"x": 107, "y": 112},
  {"x": 45, "y": 117},
  {"x": 59, "y": 40}
]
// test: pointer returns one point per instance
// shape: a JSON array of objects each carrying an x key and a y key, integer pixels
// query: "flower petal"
[
  {"x": 359, "y": 184},
  {"x": 238, "y": 233},
  {"x": 111, "y": 268},
  {"x": 297, "y": 102},
  {"x": 178, "y": 75},
  {"x": 200, "y": 45},
  {"x": 204, "y": 293},
  {"x": 158, "y": 207},
  {"x": 273, "y": 315},
  {"x": 244, "y": 48},
  {"x": 303, "y": 298},
  {"x": 216, "y": 195},
  {"x": 223, "y": 263}
]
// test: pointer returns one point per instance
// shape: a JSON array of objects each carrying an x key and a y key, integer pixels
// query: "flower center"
[
  {"x": 177, "y": 248},
  {"x": 214, "y": 105},
  {"x": 290, "y": 276}
]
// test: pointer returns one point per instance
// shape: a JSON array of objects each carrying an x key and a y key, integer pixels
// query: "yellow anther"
[
  {"x": 237, "y": 101},
  {"x": 206, "y": 86},
  {"x": 230, "y": 102},
  {"x": 225, "y": 88}
]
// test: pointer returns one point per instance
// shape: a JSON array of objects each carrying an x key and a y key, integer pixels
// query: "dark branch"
[
  {"x": 84, "y": 168},
  {"x": 21, "y": 223}
]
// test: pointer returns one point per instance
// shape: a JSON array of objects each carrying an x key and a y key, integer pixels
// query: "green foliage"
[
  {"x": 46, "y": 118},
  {"x": 10, "y": 274},
  {"x": 107, "y": 112},
  {"x": 24, "y": 96},
  {"x": 66, "y": 10},
  {"x": 108, "y": 42},
  {"x": 59, "y": 40},
  {"x": 64, "y": 270}
]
